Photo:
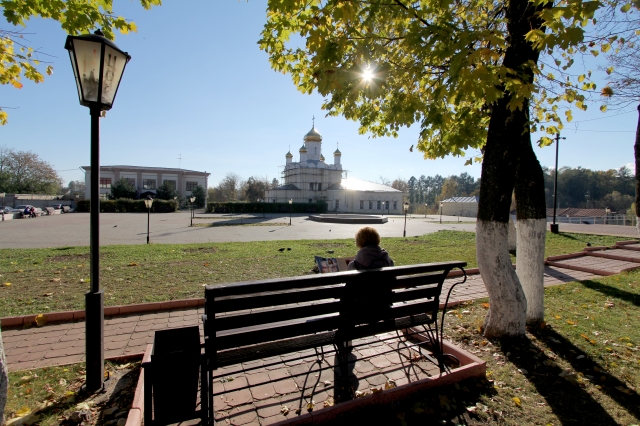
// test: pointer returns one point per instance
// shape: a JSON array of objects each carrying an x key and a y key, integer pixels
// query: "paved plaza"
[{"x": 131, "y": 228}]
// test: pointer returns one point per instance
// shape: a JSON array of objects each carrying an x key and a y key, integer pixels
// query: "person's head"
[{"x": 367, "y": 236}]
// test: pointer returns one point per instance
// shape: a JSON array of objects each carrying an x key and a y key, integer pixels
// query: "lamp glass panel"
[
  {"x": 73, "y": 65},
  {"x": 88, "y": 63},
  {"x": 114, "y": 63}
]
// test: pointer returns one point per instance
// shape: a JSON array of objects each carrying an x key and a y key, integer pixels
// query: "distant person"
[{"x": 370, "y": 255}]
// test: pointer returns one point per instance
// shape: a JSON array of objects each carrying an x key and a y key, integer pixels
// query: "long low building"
[
  {"x": 146, "y": 180},
  {"x": 312, "y": 179}
]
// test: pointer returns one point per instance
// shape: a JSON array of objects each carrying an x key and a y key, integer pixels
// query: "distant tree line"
[
  {"x": 577, "y": 187},
  {"x": 584, "y": 188},
  {"x": 233, "y": 188}
]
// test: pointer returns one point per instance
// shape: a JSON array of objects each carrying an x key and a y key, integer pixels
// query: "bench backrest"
[{"x": 351, "y": 304}]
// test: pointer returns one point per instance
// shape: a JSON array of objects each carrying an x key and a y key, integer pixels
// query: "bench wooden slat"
[
  {"x": 275, "y": 315},
  {"x": 415, "y": 294},
  {"x": 279, "y": 284},
  {"x": 265, "y": 350},
  {"x": 261, "y": 300},
  {"x": 260, "y": 334}
]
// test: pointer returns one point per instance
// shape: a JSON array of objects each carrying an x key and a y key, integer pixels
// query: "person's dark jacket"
[{"x": 371, "y": 257}]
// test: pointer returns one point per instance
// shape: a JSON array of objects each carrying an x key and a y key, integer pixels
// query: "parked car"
[
  {"x": 21, "y": 208},
  {"x": 7, "y": 209},
  {"x": 65, "y": 209}
]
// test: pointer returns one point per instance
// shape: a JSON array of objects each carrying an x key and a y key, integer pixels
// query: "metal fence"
[{"x": 618, "y": 219}]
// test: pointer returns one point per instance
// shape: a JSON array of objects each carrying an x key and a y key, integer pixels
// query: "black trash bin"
[{"x": 175, "y": 366}]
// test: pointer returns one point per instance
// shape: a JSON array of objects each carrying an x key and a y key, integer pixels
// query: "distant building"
[
  {"x": 312, "y": 179},
  {"x": 460, "y": 206},
  {"x": 146, "y": 179}
]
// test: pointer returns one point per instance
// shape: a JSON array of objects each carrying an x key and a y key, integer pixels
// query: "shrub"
[{"x": 125, "y": 205}]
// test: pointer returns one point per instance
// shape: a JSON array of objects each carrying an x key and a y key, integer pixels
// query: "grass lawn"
[{"x": 34, "y": 281}]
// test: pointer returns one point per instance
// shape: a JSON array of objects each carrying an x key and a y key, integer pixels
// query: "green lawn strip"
[
  {"x": 52, "y": 393},
  {"x": 34, "y": 281},
  {"x": 553, "y": 376}
]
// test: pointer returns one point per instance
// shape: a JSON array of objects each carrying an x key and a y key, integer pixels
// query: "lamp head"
[
  {"x": 148, "y": 201},
  {"x": 98, "y": 65}
]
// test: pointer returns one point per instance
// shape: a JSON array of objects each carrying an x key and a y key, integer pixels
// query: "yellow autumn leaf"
[
  {"x": 23, "y": 411},
  {"x": 41, "y": 320},
  {"x": 17, "y": 85},
  {"x": 133, "y": 264},
  {"x": 517, "y": 401},
  {"x": 558, "y": 317},
  {"x": 206, "y": 264},
  {"x": 485, "y": 305},
  {"x": 571, "y": 322},
  {"x": 7, "y": 284}
]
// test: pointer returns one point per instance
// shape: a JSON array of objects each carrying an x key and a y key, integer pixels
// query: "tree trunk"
[
  {"x": 504, "y": 154},
  {"x": 532, "y": 229},
  {"x": 636, "y": 150},
  {"x": 4, "y": 380}
]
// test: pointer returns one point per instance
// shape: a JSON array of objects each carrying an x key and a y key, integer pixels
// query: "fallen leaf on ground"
[
  {"x": 328, "y": 402},
  {"x": 485, "y": 305},
  {"x": 41, "y": 320},
  {"x": 284, "y": 410},
  {"x": 133, "y": 264},
  {"x": 517, "y": 401},
  {"x": 7, "y": 284}
]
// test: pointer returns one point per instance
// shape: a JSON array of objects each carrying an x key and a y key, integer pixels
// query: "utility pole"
[{"x": 554, "y": 226}]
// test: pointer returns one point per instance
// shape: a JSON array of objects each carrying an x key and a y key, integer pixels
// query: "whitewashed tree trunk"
[
  {"x": 507, "y": 311},
  {"x": 4, "y": 380},
  {"x": 513, "y": 239},
  {"x": 530, "y": 265}
]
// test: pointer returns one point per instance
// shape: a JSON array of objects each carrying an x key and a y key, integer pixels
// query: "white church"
[{"x": 312, "y": 179}]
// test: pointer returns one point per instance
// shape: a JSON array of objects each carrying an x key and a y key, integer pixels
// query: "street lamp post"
[
  {"x": 192, "y": 199},
  {"x": 175, "y": 200},
  {"x": 440, "y": 211},
  {"x": 98, "y": 65},
  {"x": 382, "y": 215},
  {"x": 405, "y": 206},
  {"x": 555, "y": 227},
  {"x": 290, "y": 204},
  {"x": 425, "y": 210},
  {"x": 148, "y": 202}
]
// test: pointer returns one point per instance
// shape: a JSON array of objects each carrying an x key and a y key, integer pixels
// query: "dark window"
[
  {"x": 131, "y": 181},
  {"x": 395, "y": 205},
  {"x": 148, "y": 184},
  {"x": 370, "y": 205},
  {"x": 191, "y": 185},
  {"x": 361, "y": 204},
  {"x": 378, "y": 205},
  {"x": 105, "y": 183}
]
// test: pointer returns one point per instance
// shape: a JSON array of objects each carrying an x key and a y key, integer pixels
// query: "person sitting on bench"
[{"x": 370, "y": 255}]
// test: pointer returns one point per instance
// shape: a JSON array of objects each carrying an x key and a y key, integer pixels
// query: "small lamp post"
[
  {"x": 440, "y": 211},
  {"x": 192, "y": 199},
  {"x": 290, "y": 204},
  {"x": 148, "y": 202},
  {"x": 405, "y": 206},
  {"x": 382, "y": 215},
  {"x": 425, "y": 210},
  {"x": 175, "y": 200},
  {"x": 98, "y": 65},
  {"x": 554, "y": 226}
]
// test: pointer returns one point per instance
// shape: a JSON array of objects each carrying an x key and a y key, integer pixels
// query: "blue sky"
[{"x": 199, "y": 88}]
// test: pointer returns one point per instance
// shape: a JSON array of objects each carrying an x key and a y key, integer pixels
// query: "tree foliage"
[
  {"x": 24, "y": 172},
  {"x": 166, "y": 191},
  {"x": 122, "y": 188},
  {"x": 201, "y": 196},
  {"x": 19, "y": 62}
]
